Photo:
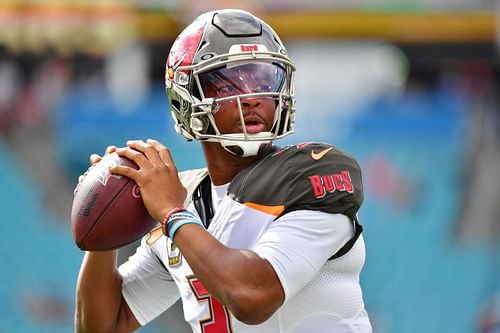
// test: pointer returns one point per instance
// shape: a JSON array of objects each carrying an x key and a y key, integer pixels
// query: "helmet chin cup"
[{"x": 245, "y": 148}]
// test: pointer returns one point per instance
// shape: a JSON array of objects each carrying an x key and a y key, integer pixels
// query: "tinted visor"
[{"x": 244, "y": 78}]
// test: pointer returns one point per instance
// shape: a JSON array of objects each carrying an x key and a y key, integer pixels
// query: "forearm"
[
  {"x": 98, "y": 293},
  {"x": 245, "y": 283}
]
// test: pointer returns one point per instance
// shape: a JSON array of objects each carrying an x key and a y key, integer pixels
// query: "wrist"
[
  {"x": 175, "y": 219},
  {"x": 180, "y": 219}
]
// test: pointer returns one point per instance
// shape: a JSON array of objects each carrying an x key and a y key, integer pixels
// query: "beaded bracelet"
[{"x": 165, "y": 220}]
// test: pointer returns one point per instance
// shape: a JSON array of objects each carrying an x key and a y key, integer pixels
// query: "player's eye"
[
  {"x": 227, "y": 90},
  {"x": 263, "y": 88}
]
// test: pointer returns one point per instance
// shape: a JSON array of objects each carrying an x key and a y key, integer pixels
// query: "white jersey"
[{"x": 322, "y": 294}]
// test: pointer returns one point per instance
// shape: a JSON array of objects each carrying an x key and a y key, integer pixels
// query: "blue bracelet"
[
  {"x": 177, "y": 223},
  {"x": 177, "y": 220}
]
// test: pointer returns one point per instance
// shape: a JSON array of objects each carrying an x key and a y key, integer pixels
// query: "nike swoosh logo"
[{"x": 318, "y": 156}]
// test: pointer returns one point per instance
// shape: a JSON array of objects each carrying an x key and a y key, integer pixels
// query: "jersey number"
[{"x": 218, "y": 320}]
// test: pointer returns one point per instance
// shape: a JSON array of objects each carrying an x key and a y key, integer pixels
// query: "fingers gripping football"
[
  {"x": 161, "y": 188},
  {"x": 94, "y": 159}
]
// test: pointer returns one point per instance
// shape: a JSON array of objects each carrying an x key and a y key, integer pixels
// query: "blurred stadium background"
[{"x": 410, "y": 88}]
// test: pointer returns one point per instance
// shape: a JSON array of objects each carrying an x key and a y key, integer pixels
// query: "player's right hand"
[{"x": 94, "y": 159}]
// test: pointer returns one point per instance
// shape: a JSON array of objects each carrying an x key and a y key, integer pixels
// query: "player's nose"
[{"x": 250, "y": 103}]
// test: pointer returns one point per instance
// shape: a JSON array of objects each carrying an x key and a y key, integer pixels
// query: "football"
[{"x": 108, "y": 211}]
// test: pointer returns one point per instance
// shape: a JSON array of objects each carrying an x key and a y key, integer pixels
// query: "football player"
[{"x": 264, "y": 239}]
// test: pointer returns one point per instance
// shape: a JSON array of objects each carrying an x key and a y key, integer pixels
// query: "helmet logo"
[
  {"x": 249, "y": 48},
  {"x": 185, "y": 47},
  {"x": 178, "y": 61},
  {"x": 238, "y": 48}
]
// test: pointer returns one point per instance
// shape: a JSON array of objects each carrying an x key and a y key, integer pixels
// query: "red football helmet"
[{"x": 214, "y": 47}]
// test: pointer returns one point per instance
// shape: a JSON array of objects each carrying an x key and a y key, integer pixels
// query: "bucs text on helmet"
[{"x": 218, "y": 42}]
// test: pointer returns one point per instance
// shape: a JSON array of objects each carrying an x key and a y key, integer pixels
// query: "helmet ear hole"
[
  {"x": 199, "y": 125},
  {"x": 202, "y": 125}
]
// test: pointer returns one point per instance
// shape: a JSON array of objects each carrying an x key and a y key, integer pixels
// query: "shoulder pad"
[{"x": 313, "y": 176}]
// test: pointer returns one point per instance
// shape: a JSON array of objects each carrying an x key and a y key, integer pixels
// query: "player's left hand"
[{"x": 157, "y": 177}]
